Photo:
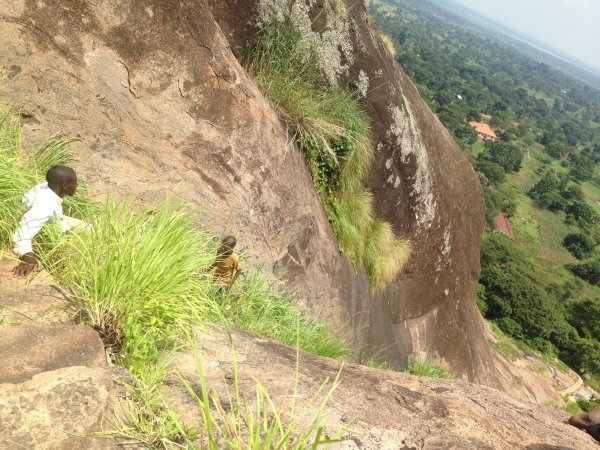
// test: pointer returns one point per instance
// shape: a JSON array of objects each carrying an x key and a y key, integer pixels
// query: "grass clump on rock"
[
  {"x": 428, "y": 369},
  {"x": 334, "y": 133},
  {"x": 256, "y": 297}
]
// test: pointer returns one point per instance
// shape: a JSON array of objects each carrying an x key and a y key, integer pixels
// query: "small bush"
[
  {"x": 493, "y": 172},
  {"x": 373, "y": 357},
  {"x": 588, "y": 405},
  {"x": 585, "y": 317},
  {"x": 388, "y": 42},
  {"x": 481, "y": 299},
  {"x": 510, "y": 327},
  {"x": 507, "y": 155},
  {"x": 580, "y": 245},
  {"x": 427, "y": 369},
  {"x": 589, "y": 271},
  {"x": 374, "y": 363}
]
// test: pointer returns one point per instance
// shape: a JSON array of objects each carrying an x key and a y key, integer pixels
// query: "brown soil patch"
[
  {"x": 595, "y": 200},
  {"x": 504, "y": 226}
]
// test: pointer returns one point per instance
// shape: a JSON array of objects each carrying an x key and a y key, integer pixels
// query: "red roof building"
[{"x": 483, "y": 131}]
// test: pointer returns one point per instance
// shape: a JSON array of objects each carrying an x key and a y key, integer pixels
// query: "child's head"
[{"x": 227, "y": 246}]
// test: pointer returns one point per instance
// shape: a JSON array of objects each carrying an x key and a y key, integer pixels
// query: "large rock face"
[{"x": 160, "y": 103}]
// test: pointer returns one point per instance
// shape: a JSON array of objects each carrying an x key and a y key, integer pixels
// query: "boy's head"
[
  {"x": 227, "y": 246},
  {"x": 62, "y": 180}
]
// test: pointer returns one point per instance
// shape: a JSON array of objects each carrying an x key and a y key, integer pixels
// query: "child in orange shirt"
[{"x": 227, "y": 265}]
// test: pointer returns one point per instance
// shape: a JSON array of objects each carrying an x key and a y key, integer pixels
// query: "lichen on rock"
[
  {"x": 331, "y": 45},
  {"x": 363, "y": 83},
  {"x": 408, "y": 137}
]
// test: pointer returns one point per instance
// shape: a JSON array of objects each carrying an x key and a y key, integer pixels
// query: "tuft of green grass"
[
  {"x": 15, "y": 176},
  {"x": 428, "y": 369},
  {"x": 334, "y": 133},
  {"x": 373, "y": 358},
  {"x": 594, "y": 383},
  {"x": 235, "y": 423},
  {"x": 135, "y": 276},
  {"x": 142, "y": 415},
  {"x": 551, "y": 404},
  {"x": 505, "y": 344},
  {"x": 256, "y": 305},
  {"x": 536, "y": 368},
  {"x": 388, "y": 42},
  {"x": 572, "y": 407},
  {"x": 52, "y": 151}
]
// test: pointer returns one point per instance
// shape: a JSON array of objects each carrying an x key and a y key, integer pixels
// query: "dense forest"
[{"x": 539, "y": 283}]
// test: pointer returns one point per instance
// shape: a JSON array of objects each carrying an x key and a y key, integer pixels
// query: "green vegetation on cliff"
[{"x": 334, "y": 132}]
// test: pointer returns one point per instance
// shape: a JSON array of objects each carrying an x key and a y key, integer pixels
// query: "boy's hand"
[{"x": 28, "y": 263}]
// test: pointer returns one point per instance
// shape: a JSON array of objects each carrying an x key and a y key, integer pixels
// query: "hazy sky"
[{"x": 572, "y": 26}]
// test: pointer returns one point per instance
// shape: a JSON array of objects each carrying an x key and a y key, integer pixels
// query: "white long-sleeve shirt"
[{"x": 44, "y": 207}]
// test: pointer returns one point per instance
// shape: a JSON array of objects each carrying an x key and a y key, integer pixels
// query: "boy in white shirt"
[{"x": 44, "y": 203}]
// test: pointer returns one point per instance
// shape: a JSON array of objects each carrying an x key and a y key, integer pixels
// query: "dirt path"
[{"x": 504, "y": 226}]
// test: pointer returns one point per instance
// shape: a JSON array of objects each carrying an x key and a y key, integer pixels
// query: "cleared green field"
[
  {"x": 525, "y": 222},
  {"x": 551, "y": 233},
  {"x": 528, "y": 175},
  {"x": 543, "y": 230},
  {"x": 592, "y": 194}
]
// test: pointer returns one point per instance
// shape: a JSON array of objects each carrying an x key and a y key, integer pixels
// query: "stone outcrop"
[
  {"x": 158, "y": 101},
  {"x": 56, "y": 409},
  {"x": 56, "y": 386},
  {"x": 383, "y": 409}
]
